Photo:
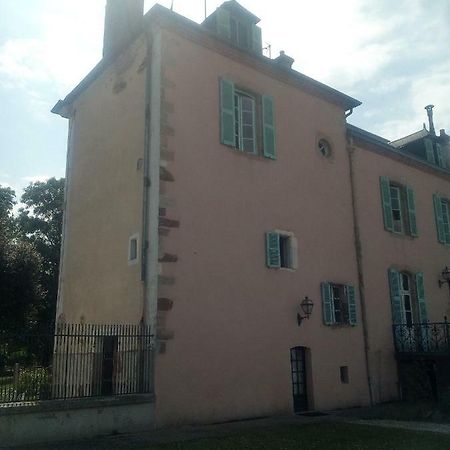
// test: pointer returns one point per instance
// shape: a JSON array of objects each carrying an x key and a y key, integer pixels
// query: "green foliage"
[
  {"x": 40, "y": 222},
  {"x": 29, "y": 257},
  {"x": 7, "y": 221},
  {"x": 34, "y": 384},
  {"x": 20, "y": 288}
]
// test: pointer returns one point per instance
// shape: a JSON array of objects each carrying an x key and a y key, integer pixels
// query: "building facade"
[{"x": 210, "y": 190}]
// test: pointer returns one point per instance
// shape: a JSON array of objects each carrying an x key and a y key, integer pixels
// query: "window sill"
[
  {"x": 341, "y": 325},
  {"x": 401, "y": 235},
  {"x": 258, "y": 156}
]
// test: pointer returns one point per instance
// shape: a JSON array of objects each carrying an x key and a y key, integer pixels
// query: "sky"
[{"x": 393, "y": 55}]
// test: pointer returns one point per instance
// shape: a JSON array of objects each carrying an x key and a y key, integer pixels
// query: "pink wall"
[
  {"x": 382, "y": 249},
  {"x": 233, "y": 319}
]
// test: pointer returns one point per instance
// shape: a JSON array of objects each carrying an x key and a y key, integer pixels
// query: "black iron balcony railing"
[{"x": 422, "y": 337}]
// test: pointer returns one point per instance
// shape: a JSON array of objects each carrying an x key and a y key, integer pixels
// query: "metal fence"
[
  {"x": 78, "y": 361},
  {"x": 422, "y": 337}
]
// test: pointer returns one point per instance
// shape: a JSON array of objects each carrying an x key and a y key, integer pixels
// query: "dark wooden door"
[
  {"x": 108, "y": 358},
  {"x": 298, "y": 373}
]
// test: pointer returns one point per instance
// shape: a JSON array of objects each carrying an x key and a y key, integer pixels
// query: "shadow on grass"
[{"x": 327, "y": 436}]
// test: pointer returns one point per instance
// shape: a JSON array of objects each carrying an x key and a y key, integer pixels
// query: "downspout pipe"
[
  {"x": 359, "y": 263},
  {"x": 152, "y": 146}
]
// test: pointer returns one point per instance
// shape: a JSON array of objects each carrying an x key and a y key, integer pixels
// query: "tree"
[
  {"x": 7, "y": 202},
  {"x": 20, "y": 273},
  {"x": 40, "y": 224}
]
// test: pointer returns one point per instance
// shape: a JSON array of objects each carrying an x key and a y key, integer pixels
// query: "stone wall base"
[{"x": 75, "y": 419}]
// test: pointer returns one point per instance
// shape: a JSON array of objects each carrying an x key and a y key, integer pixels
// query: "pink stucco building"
[{"x": 211, "y": 190}]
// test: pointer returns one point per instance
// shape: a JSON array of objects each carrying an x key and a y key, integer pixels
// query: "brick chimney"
[
  {"x": 123, "y": 20},
  {"x": 284, "y": 60}
]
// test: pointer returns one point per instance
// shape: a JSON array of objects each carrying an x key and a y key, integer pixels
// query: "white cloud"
[
  {"x": 61, "y": 52},
  {"x": 35, "y": 178}
]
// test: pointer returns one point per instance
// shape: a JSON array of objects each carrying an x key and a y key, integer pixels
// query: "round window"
[{"x": 324, "y": 148}]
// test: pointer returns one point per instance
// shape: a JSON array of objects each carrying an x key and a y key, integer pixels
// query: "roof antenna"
[
  {"x": 429, "y": 109},
  {"x": 268, "y": 48},
  {"x": 171, "y": 5},
  {"x": 205, "y": 9}
]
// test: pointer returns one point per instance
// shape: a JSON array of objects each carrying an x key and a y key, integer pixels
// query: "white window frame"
[
  {"x": 239, "y": 122},
  {"x": 400, "y": 200},
  {"x": 293, "y": 249},
  {"x": 445, "y": 205}
]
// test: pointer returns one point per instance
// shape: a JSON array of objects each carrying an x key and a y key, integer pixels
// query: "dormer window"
[
  {"x": 234, "y": 23},
  {"x": 239, "y": 33}
]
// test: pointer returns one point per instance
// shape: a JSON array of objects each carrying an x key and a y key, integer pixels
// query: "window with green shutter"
[
  {"x": 246, "y": 120},
  {"x": 223, "y": 23},
  {"x": 268, "y": 127},
  {"x": 442, "y": 217},
  {"x": 338, "y": 304},
  {"x": 407, "y": 294},
  {"x": 399, "y": 208},
  {"x": 239, "y": 30},
  {"x": 398, "y": 313},
  {"x": 281, "y": 250},
  {"x": 227, "y": 112}
]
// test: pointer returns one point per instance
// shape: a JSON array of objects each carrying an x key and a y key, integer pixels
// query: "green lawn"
[{"x": 329, "y": 436}]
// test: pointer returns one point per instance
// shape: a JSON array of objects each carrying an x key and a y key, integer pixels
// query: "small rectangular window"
[
  {"x": 133, "y": 249},
  {"x": 344, "y": 374},
  {"x": 281, "y": 250}
]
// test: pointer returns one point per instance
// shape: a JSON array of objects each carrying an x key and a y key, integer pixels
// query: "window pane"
[
  {"x": 284, "y": 251},
  {"x": 407, "y": 299},
  {"x": 133, "y": 249},
  {"x": 247, "y": 145},
  {"x": 405, "y": 282},
  {"x": 446, "y": 220}
]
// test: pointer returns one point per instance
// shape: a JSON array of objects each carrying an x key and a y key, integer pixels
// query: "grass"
[
  {"x": 327, "y": 436},
  {"x": 422, "y": 411}
]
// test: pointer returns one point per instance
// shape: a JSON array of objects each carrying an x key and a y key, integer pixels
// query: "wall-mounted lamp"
[
  {"x": 307, "y": 307},
  {"x": 445, "y": 274}
]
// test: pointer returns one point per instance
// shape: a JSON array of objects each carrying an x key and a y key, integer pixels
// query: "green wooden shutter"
[
  {"x": 223, "y": 23},
  {"x": 429, "y": 150},
  {"x": 411, "y": 211},
  {"x": 398, "y": 313},
  {"x": 327, "y": 307},
  {"x": 386, "y": 203},
  {"x": 439, "y": 218},
  {"x": 227, "y": 112},
  {"x": 351, "y": 301},
  {"x": 268, "y": 127},
  {"x": 256, "y": 39},
  {"x": 440, "y": 156},
  {"x": 273, "y": 258},
  {"x": 421, "y": 298}
]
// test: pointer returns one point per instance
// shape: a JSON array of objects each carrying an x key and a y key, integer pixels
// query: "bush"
[{"x": 34, "y": 384}]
